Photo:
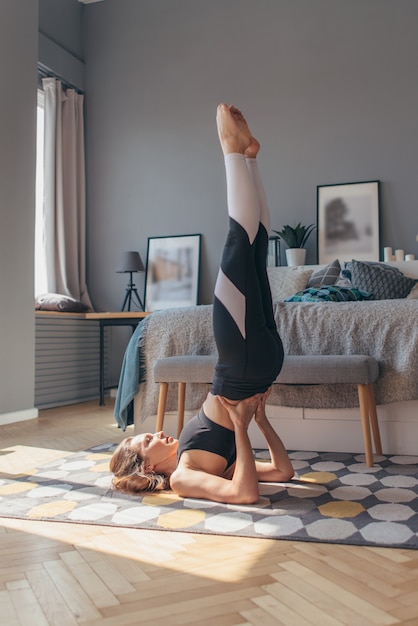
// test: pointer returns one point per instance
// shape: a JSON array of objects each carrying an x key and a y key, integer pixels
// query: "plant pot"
[{"x": 295, "y": 256}]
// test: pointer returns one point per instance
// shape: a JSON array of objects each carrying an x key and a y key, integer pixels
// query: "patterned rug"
[{"x": 334, "y": 498}]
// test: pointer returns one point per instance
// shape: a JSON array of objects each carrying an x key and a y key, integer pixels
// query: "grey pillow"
[
  {"x": 380, "y": 280},
  {"x": 327, "y": 275},
  {"x": 60, "y": 303},
  {"x": 346, "y": 271}
]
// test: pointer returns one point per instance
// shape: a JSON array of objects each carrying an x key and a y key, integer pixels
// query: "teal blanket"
[{"x": 131, "y": 375}]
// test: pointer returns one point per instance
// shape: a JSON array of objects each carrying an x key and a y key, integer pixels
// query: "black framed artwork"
[{"x": 348, "y": 222}]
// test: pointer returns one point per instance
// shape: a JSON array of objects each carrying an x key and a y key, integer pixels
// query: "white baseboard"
[{"x": 18, "y": 416}]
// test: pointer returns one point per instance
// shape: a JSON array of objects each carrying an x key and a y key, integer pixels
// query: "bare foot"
[
  {"x": 232, "y": 136},
  {"x": 252, "y": 150}
]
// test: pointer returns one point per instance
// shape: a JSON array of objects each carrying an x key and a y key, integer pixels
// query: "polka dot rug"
[{"x": 334, "y": 497}]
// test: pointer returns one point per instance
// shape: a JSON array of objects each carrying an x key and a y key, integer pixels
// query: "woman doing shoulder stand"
[{"x": 213, "y": 458}]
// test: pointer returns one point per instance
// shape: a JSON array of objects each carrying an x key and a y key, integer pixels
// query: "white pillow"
[{"x": 286, "y": 281}]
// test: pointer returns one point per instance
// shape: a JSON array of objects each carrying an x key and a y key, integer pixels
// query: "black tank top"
[{"x": 200, "y": 433}]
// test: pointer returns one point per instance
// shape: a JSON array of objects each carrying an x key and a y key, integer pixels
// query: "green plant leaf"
[{"x": 297, "y": 236}]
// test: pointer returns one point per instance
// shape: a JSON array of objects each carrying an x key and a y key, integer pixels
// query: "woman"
[{"x": 213, "y": 458}]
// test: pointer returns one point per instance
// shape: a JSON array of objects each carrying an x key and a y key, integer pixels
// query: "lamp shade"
[{"x": 131, "y": 262}]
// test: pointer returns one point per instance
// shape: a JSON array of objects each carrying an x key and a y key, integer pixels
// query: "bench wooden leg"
[
  {"x": 365, "y": 422},
  {"x": 162, "y": 401},
  {"x": 373, "y": 419},
  {"x": 180, "y": 407}
]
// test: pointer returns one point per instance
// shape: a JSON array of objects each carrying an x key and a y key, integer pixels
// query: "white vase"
[{"x": 295, "y": 256}]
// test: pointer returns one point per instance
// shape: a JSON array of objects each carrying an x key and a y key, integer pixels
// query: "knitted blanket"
[{"x": 384, "y": 329}]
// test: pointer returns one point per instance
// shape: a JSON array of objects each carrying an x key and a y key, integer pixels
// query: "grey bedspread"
[{"x": 384, "y": 329}]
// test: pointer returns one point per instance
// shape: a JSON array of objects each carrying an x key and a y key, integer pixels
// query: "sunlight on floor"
[
  {"x": 20, "y": 458},
  {"x": 173, "y": 550}
]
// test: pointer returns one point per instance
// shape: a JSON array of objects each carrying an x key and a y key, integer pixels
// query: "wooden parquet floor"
[{"x": 67, "y": 574}]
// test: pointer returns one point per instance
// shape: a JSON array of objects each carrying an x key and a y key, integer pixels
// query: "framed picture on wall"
[
  {"x": 172, "y": 272},
  {"x": 348, "y": 222}
]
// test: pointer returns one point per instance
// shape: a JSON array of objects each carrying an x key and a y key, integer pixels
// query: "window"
[{"x": 40, "y": 260}]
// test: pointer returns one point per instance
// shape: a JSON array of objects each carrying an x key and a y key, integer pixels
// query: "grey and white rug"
[{"x": 334, "y": 497}]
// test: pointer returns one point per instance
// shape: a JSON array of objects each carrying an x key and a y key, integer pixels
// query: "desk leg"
[
  {"x": 103, "y": 323},
  {"x": 102, "y": 363}
]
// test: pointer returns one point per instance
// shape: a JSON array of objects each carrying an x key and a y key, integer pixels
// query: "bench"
[{"x": 361, "y": 370}]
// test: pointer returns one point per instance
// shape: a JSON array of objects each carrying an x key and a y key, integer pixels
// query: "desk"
[{"x": 127, "y": 318}]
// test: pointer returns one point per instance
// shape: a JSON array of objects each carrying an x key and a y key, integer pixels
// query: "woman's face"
[{"x": 155, "y": 448}]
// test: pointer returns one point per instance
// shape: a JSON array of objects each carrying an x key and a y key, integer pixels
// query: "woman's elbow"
[
  {"x": 252, "y": 499},
  {"x": 249, "y": 496},
  {"x": 287, "y": 475},
  {"x": 283, "y": 475}
]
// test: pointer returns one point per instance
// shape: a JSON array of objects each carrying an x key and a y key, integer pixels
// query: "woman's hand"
[
  {"x": 242, "y": 412},
  {"x": 260, "y": 414}
]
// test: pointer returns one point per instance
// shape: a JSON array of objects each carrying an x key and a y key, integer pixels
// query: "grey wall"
[
  {"x": 329, "y": 87},
  {"x": 60, "y": 40},
  {"x": 60, "y": 21},
  {"x": 18, "y": 51}
]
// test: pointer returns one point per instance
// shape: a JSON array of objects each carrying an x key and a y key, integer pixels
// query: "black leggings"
[{"x": 250, "y": 352}]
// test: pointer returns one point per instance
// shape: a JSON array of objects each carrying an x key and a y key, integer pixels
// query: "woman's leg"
[
  {"x": 251, "y": 153},
  {"x": 262, "y": 243},
  {"x": 237, "y": 275},
  {"x": 250, "y": 351}
]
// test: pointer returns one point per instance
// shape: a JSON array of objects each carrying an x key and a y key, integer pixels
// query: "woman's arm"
[{"x": 280, "y": 468}]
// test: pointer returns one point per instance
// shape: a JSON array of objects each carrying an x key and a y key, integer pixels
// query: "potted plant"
[{"x": 295, "y": 239}]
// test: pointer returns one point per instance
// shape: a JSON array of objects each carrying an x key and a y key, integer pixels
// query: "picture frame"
[
  {"x": 273, "y": 252},
  {"x": 172, "y": 272},
  {"x": 348, "y": 222}
]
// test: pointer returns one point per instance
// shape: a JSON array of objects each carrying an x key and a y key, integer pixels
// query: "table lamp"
[{"x": 131, "y": 262}]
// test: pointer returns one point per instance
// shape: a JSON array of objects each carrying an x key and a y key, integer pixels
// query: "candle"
[
  {"x": 410, "y": 257},
  {"x": 387, "y": 254},
  {"x": 399, "y": 255}
]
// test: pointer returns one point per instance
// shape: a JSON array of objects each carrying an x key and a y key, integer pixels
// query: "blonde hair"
[{"x": 129, "y": 471}]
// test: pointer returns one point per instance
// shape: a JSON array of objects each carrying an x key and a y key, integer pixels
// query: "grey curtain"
[{"x": 64, "y": 191}]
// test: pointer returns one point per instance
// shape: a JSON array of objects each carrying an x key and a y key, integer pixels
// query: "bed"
[{"x": 311, "y": 417}]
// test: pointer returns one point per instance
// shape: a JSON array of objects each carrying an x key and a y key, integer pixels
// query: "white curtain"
[{"x": 64, "y": 191}]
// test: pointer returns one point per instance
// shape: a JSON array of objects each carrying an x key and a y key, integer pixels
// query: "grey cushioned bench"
[{"x": 361, "y": 370}]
